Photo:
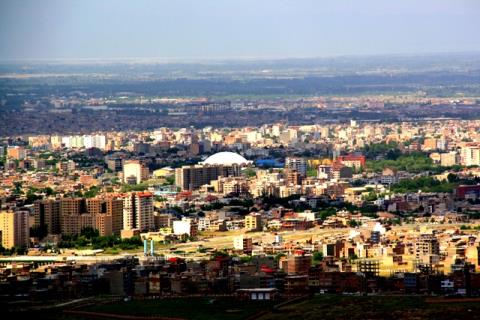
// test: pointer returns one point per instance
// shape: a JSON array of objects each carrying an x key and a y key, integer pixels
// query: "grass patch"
[
  {"x": 188, "y": 308},
  {"x": 374, "y": 307}
]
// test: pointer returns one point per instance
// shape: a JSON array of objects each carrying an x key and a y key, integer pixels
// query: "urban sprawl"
[{"x": 257, "y": 212}]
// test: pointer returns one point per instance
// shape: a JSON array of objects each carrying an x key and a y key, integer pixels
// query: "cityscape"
[{"x": 343, "y": 186}]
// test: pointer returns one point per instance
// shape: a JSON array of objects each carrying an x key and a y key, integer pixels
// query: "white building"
[
  {"x": 97, "y": 141},
  {"x": 242, "y": 243},
  {"x": 85, "y": 141},
  {"x": 471, "y": 155},
  {"x": 184, "y": 226},
  {"x": 135, "y": 171}
]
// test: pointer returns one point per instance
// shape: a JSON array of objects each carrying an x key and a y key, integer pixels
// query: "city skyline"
[{"x": 250, "y": 159}]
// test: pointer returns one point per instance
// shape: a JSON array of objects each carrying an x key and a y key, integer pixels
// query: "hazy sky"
[{"x": 102, "y": 29}]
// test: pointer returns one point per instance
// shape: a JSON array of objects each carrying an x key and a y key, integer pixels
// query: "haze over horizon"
[{"x": 187, "y": 29}]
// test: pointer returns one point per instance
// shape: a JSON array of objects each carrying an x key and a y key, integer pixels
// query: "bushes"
[
  {"x": 426, "y": 184},
  {"x": 12, "y": 251},
  {"x": 324, "y": 214},
  {"x": 317, "y": 256},
  {"x": 90, "y": 237},
  {"x": 415, "y": 163},
  {"x": 134, "y": 187}
]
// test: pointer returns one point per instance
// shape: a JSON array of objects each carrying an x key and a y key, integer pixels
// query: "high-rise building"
[
  {"x": 56, "y": 142},
  {"x": 71, "y": 215},
  {"x": 471, "y": 155},
  {"x": 47, "y": 215},
  {"x": 74, "y": 216},
  {"x": 14, "y": 229},
  {"x": 115, "y": 208},
  {"x": 85, "y": 141},
  {"x": 427, "y": 248},
  {"x": 134, "y": 172},
  {"x": 293, "y": 177},
  {"x": 115, "y": 164},
  {"x": 297, "y": 164},
  {"x": 16, "y": 152},
  {"x": 138, "y": 211},
  {"x": 195, "y": 176},
  {"x": 107, "y": 214},
  {"x": 96, "y": 141}
]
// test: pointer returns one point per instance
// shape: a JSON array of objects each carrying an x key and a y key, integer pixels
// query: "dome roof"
[{"x": 226, "y": 158}]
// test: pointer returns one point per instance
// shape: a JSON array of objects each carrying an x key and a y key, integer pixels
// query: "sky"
[{"x": 231, "y": 29}]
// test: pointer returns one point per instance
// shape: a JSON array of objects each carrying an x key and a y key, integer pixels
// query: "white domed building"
[
  {"x": 222, "y": 164},
  {"x": 226, "y": 159}
]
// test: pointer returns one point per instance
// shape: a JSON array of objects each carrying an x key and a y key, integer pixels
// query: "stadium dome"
[{"x": 226, "y": 158}]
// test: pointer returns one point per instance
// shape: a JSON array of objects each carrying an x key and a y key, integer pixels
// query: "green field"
[
  {"x": 326, "y": 307},
  {"x": 374, "y": 307},
  {"x": 188, "y": 308}
]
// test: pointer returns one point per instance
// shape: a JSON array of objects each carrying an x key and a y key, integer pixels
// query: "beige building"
[
  {"x": 108, "y": 215},
  {"x": 71, "y": 215},
  {"x": 134, "y": 172},
  {"x": 253, "y": 222},
  {"x": 193, "y": 177},
  {"x": 471, "y": 155},
  {"x": 427, "y": 249},
  {"x": 244, "y": 244},
  {"x": 297, "y": 164},
  {"x": 14, "y": 229},
  {"x": 74, "y": 216},
  {"x": 138, "y": 211},
  {"x": 448, "y": 159}
]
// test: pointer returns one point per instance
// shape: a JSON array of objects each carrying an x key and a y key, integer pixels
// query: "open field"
[
  {"x": 318, "y": 307},
  {"x": 224, "y": 240},
  {"x": 186, "y": 308},
  {"x": 375, "y": 307}
]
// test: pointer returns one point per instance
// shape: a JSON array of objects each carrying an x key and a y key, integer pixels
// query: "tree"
[
  {"x": 353, "y": 223},
  {"x": 89, "y": 233},
  {"x": 39, "y": 231},
  {"x": 311, "y": 172},
  {"x": 18, "y": 187},
  {"x": 92, "y": 192},
  {"x": 31, "y": 196},
  {"x": 317, "y": 256},
  {"x": 324, "y": 214},
  {"x": 451, "y": 177},
  {"x": 169, "y": 181},
  {"x": 134, "y": 187},
  {"x": 353, "y": 257},
  {"x": 278, "y": 257},
  {"x": 249, "y": 173},
  {"x": 20, "y": 250}
]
